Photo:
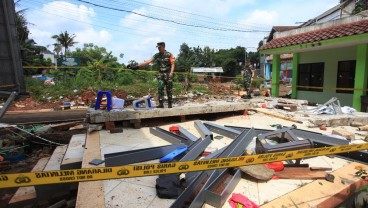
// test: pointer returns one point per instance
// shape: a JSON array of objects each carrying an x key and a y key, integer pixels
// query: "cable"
[
  {"x": 216, "y": 40},
  {"x": 12, "y": 149},
  {"x": 166, "y": 20},
  {"x": 14, "y": 126},
  {"x": 184, "y": 12},
  {"x": 110, "y": 20},
  {"x": 200, "y": 40}
]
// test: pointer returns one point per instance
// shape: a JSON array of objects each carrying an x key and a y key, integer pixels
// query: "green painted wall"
[
  {"x": 295, "y": 75},
  {"x": 276, "y": 66},
  {"x": 330, "y": 57},
  {"x": 361, "y": 74}
]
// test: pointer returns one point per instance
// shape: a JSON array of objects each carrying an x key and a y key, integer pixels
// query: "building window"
[
  {"x": 310, "y": 77},
  {"x": 345, "y": 76}
]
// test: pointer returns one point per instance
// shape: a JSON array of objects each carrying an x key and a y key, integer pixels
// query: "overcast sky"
[{"x": 133, "y": 27}]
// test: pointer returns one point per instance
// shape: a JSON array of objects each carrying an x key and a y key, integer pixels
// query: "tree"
[
  {"x": 194, "y": 57},
  {"x": 229, "y": 60},
  {"x": 57, "y": 48},
  {"x": 92, "y": 53},
  {"x": 254, "y": 57},
  {"x": 22, "y": 25},
  {"x": 30, "y": 52},
  {"x": 65, "y": 40},
  {"x": 184, "y": 59}
]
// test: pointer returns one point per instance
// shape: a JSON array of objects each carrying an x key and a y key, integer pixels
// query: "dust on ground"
[{"x": 85, "y": 98}]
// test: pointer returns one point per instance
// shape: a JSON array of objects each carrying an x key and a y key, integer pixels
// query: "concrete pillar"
[
  {"x": 361, "y": 73},
  {"x": 294, "y": 75},
  {"x": 275, "y": 75}
]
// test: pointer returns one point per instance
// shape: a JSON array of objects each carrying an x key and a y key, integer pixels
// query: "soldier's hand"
[{"x": 134, "y": 67}]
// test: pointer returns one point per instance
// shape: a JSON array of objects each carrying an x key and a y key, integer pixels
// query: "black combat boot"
[{"x": 161, "y": 104}]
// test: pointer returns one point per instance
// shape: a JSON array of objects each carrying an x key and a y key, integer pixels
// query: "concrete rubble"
[{"x": 117, "y": 137}]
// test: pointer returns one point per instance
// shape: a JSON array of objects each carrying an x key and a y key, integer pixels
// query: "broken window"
[
  {"x": 310, "y": 77},
  {"x": 345, "y": 76}
]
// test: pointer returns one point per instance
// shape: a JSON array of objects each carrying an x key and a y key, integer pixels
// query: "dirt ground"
[{"x": 28, "y": 103}]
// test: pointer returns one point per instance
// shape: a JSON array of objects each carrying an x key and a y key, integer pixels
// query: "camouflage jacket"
[
  {"x": 164, "y": 61},
  {"x": 247, "y": 73}
]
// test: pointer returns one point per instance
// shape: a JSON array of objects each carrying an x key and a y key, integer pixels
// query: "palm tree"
[
  {"x": 65, "y": 40},
  {"x": 22, "y": 23}
]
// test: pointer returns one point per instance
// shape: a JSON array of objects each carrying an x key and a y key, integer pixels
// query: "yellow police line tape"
[
  {"x": 326, "y": 87},
  {"x": 111, "y": 68},
  {"x": 129, "y": 171}
]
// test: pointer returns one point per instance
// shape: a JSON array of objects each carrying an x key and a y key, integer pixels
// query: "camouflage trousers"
[
  {"x": 164, "y": 81},
  {"x": 247, "y": 82}
]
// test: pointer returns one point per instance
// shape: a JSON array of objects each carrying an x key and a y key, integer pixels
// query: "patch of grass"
[
  {"x": 135, "y": 83},
  {"x": 201, "y": 88}
]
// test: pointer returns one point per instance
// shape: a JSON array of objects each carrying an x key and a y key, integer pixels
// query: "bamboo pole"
[{"x": 278, "y": 116}]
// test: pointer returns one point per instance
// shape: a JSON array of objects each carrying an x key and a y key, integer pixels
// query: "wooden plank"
[
  {"x": 91, "y": 194},
  {"x": 27, "y": 195},
  {"x": 49, "y": 191},
  {"x": 64, "y": 126},
  {"x": 43, "y": 117},
  {"x": 74, "y": 154},
  {"x": 300, "y": 173},
  {"x": 343, "y": 195},
  {"x": 314, "y": 193},
  {"x": 56, "y": 158}
]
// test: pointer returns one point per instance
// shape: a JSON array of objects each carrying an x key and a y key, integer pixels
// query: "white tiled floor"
[{"x": 141, "y": 192}]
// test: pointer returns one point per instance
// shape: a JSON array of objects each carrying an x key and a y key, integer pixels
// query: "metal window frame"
[
  {"x": 202, "y": 129},
  {"x": 140, "y": 155},
  {"x": 235, "y": 148},
  {"x": 169, "y": 137},
  {"x": 187, "y": 134},
  {"x": 320, "y": 140}
]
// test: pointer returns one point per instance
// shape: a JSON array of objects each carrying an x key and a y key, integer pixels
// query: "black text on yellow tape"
[{"x": 129, "y": 171}]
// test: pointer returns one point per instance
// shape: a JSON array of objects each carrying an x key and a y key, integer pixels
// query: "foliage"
[
  {"x": 92, "y": 53},
  {"x": 201, "y": 88},
  {"x": 30, "y": 52},
  {"x": 136, "y": 83},
  {"x": 360, "y": 6},
  {"x": 254, "y": 57},
  {"x": 65, "y": 39},
  {"x": 194, "y": 57},
  {"x": 256, "y": 83},
  {"x": 229, "y": 60},
  {"x": 238, "y": 83},
  {"x": 22, "y": 25}
]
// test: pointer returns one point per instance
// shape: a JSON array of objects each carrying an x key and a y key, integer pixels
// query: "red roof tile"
[{"x": 349, "y": 29}]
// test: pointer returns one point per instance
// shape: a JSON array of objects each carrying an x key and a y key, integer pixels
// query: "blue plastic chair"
[{"x": 108, "y": 100}]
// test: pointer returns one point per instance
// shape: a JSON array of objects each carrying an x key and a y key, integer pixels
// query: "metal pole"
[{"x": 245, "y": 57}]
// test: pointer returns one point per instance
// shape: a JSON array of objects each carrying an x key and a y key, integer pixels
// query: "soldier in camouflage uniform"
[
  {"x": 166, "y": 64},
  {"x": 247, "y": 79}
]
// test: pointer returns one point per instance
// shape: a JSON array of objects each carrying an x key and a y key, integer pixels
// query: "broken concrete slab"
[
  {"x": 336, "y": 120},
  {"x": 259, "y": 172},
  {"x": 344, "y": 133},
  {"x": 98, "y": 116}
]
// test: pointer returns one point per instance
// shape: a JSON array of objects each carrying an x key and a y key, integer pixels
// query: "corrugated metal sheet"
[
  {"x": 207, "y": 69},
  {"x": 11, "y": 74}
]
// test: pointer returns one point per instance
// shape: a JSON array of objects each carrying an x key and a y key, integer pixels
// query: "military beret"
[{"x": 160, "y": 44}]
